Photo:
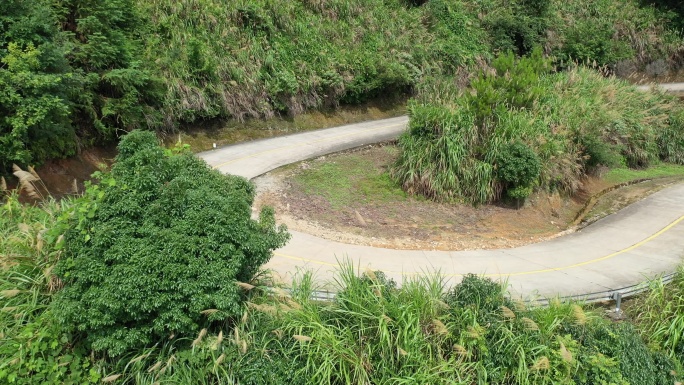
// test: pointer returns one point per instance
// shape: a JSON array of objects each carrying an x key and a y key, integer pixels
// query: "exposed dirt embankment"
[{"x": 65, "y": 177}]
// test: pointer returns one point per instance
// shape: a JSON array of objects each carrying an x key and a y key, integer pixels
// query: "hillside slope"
[{"x": 79, "y": 72}]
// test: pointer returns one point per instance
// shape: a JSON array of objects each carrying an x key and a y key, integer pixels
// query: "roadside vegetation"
[
  {"x": 154, "y": 274},
  {"x": 660, "y": 170},
  {"x": 521, "y": 127},
  {"x": 665, "y": 330},
  {"x": 60, "y": 320},
  {"x": 78, "y": 73}
]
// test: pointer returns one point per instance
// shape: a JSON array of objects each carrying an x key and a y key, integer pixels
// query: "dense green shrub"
[
  {"x": 637, "y": 363},
  {"x": 34, "y": 110},
  {"x": 482, "y": 295},
  {"x": 513, "y": 85},
  {"x": 34, "y": 84},
  {"x": 514, "y": 31},
  {"x": 117, "y": 92},
  {"x": 591, "y": 41},
  {"x": 154, "y": 244},
  {"x": 519, "y": 168}
]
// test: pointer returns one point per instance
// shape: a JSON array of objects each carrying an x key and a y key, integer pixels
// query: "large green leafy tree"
[
  {"x": 156, "y": 243},
  {"x": 34, "y": 107},
  {"x": 69, "y": 76},
  {"x": 118, "y": 92}
]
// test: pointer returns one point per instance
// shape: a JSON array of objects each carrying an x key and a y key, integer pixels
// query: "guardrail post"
[{"x": 618, "y": 301}]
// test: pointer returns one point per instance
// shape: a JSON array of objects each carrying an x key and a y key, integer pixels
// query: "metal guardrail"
[
  {"x": 607, "y": 295},
  {"x": 612, "y": 294}
]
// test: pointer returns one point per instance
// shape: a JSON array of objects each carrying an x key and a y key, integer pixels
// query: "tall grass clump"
[
  {"x": 377, "y": 332},
  {"x": 372, "y": 333},
  {"x": 33, "y": 347},
  {"x": 259, "y": 58},
  {"x": 27, "y": 257},
  {"x": 660, "y": 315},
  {"x": 521, "y": 127}
]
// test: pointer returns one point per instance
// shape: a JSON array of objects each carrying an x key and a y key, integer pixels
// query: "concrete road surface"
[{"x": 641, "y": 241}]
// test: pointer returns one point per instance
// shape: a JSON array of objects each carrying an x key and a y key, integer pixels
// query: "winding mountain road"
[{"x": 641, "y": 241}]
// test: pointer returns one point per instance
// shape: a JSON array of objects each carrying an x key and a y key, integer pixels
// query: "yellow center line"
[
  {"x": 630, "y": 248},
  {"x": 305, "y": 144}
]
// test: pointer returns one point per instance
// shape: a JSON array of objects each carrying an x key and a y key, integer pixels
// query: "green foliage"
[
  {"x": 600, "y": 153},
  {"x": 34, "y": 125},
  {"x": 513, "y": 29},
  {"x": 674, "y": 10},
  {"x": 482, "y": 295},
  {"x": 637, "y": 363},
  {"x": 514, "y": 85},
  {"x": 40, "y": 353},
  {"x": 374, "y": 332},
  {"x": 155, "y": 243},
  {"x": 458, "y": 144},
  {"x": 377, "y": 333},
  {"x": 456, "y": 148},
  {"x": 517, "y": 26},
  {"x": 519, "y": 168},
  {"x": 110, "y": 66},
  {"x": 285, "y": 57},
  {"x": 671, "y": 139},
  {"x": 591, "y": 41},
  {"x": 660, "y": 316},
  {"x": 27, "y": 255},
  {"x": 33, "y": 347},
  {"x": 34, "y": 83},
  {"x": 213, "y": 360},
  {"x": 117, "y": 92},
  {"x": 83, "y": 78},
  {"x": 605, "y": 32},
  {"x": 458, "y": 36}
]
